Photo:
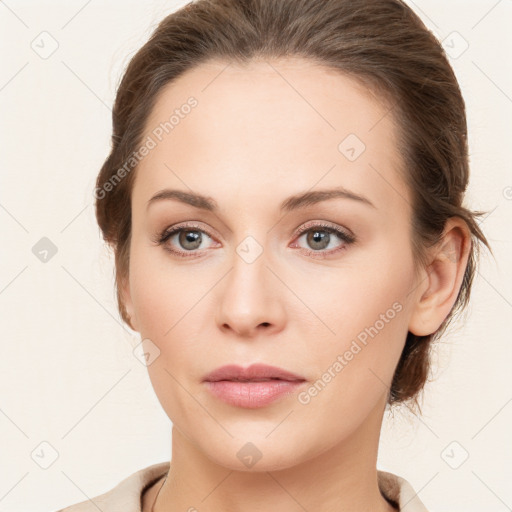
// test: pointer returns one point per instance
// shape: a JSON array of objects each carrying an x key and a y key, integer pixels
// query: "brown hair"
[{"x": 381, "y": 43}]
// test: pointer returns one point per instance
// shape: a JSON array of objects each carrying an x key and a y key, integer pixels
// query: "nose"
[{"x": 250, "y": 298}]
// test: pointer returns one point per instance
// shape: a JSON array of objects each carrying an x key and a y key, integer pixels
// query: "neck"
[{"x": 343, "y": 478}]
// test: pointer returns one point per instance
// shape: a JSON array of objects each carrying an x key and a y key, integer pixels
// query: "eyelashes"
[{"x": 190, "y": 236}]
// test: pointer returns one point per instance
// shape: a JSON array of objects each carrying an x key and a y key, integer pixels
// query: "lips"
[
  {"x": 254, "y": 373},
  {"x": 259, "y": 385}
]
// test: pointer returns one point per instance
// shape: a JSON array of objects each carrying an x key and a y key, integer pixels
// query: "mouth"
[{"x": 253, "y": 387}]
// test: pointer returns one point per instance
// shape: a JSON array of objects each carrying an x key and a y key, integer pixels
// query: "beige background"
[{"x": 74, "y": 399}]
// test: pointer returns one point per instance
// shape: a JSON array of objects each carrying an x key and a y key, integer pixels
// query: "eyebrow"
[{"x": 294, "y": 202}]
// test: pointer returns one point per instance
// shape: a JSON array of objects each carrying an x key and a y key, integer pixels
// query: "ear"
[
  {"x": 440, "y": 282},
  {"x": 124, "y": 289}
]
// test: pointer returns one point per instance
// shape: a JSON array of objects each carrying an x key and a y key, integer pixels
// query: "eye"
[
  {"x": 183, "y": 240},
  {"x": 321, "y": 236},
  {"x": 190, "y": 240}
]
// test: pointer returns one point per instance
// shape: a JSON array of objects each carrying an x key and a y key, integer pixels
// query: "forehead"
[{"x": 272, "y": 123}]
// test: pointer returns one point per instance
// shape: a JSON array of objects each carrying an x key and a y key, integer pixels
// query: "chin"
[{"x": 253, "y": 450}]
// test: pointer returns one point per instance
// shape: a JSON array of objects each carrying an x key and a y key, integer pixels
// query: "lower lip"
[{"x": 252, "y": 395}]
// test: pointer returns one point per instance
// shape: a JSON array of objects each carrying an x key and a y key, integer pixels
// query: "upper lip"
[{"x": 251, "y": 373}]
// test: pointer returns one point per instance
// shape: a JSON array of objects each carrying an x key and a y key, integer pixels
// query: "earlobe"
[{"x": 441, "y": 281}]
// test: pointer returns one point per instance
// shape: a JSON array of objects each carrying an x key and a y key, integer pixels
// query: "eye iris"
[
  {"x": 192, "y": 237},
  {"x": 318, "y": 237}
]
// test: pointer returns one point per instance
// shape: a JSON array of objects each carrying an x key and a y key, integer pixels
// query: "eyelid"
[
  {"x": 326, "y": 225},
  {"x": 191, "y": 225}
]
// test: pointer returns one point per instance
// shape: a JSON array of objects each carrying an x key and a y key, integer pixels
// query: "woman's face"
[{"x": 258, "y": 273}]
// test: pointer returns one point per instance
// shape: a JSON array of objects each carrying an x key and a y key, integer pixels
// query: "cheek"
[
  {"x": 171, "y": 306},
  {"x": 373, "y": 292},
  {"x": 369, "y": 313},
  {"x": 355, "y": 369},
  {"x": 165, "y": 301},
  {"x": 161, "y": 293},
  {"x": 151, "y": 297}
]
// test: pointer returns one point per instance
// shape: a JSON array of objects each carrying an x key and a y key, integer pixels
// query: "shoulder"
[
  {"x": 126, "y": 495},
  {"x": 399, "y": 490}
]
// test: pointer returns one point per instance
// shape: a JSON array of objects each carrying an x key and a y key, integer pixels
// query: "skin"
[{"x": 259, "y": 134}]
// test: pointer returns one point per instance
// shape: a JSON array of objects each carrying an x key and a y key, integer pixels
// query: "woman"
[{"x": 284, "y": 196}]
